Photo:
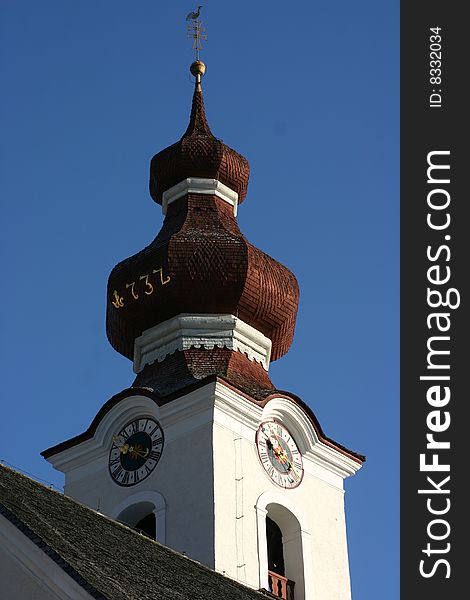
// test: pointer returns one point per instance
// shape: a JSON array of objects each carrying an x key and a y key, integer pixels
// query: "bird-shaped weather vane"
[{"x": 196, "y": 30}]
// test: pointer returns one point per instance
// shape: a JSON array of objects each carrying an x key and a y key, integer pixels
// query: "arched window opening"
[
  {"x": 285, "y": 557},
  {"x": 145, "y": 511},
  {"x": 296, "y": 546},
  {"x": 140, "y": 516},
  {"x": 275, "y": 553},
  {"x": 148, "y": 525}
]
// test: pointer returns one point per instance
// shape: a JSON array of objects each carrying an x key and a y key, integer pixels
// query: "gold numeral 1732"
[{"x": 118, "y": 301}]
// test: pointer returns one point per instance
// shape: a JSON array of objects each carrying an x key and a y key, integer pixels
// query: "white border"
[
  {"x": 199, "y": 185},
  {"x": 200, "y": 331}
]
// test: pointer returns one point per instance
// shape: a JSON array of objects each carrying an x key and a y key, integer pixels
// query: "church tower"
[{"x": 202, "y": 451}]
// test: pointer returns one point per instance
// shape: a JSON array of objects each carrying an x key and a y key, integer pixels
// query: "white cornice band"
[
  {"x": 200, "y": 331},
  {"x": 198, "y": 185}
]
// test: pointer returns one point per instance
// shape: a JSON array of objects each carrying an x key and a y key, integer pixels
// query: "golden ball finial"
[{"x": 198, "y": 68}]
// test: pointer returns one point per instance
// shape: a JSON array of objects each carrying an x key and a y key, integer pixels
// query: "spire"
[
  {"x": 197, "y": 122},
  {"x": 198, "y": 153},
  {"x": 200, "y": 266}
]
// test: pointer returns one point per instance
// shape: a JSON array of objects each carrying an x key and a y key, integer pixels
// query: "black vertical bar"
[{"x": 435, "y": 252}]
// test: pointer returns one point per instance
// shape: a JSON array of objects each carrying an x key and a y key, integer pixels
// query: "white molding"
[
  {"x": 200, "y": 331},
  {"x": 79, "y": 455},
  {"x": 261, "y": 513},
  {"x": 333, "y": 460},
  {"x": 87, "y": 452},
  {"x": 37, "y": 565},
  {"x": 214, "y": 401},
  {"x": 189, "y": 411},
  {"x": 320, "y": 460},
  {"x": 199, "y": 185},
  {"x": 231, "y": 408},
  {"x": 311, "y": 446},
  {"x": 326, "y": 463}
]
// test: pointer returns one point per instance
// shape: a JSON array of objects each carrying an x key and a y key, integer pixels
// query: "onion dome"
[
  {"x": 198, "y": 154},
  {"x": 200, "y": 263}
]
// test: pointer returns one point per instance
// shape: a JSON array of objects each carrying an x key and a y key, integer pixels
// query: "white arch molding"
[
  {"x": 295, "y": 419},
  {"x": 294, "y": 526},
  {"x": 144, "y": 502}
]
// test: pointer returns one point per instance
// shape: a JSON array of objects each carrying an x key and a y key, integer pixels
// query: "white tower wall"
[{"x": 211, "y": 496}]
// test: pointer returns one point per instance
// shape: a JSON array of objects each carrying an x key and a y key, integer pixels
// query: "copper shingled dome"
[
  {"x": 198, "y": 154},
  {"x": 200, "y": 262}
]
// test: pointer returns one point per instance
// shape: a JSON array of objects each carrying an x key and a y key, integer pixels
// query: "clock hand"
[
  {"x": 272, "y": 440},
  {"x": 292, "y": 470},
  {"x": 283, "y": 458},
  {"x": 278, "y": 449},
  {"x": 269, "y": 443},
  {"x": 124, "y": 448},
  {"x": 142, "y": 454}
]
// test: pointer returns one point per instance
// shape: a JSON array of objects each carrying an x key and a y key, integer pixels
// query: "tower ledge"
[{"x": 200, "y": 331}]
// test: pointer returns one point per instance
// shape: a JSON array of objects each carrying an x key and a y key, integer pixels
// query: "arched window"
[
  {"x": 285, "y": 561},
  {"x": 140, "y": 516},
  {"x": 144, "y": 511},
  {"x": 274, "y": 543},
  {"x": 148, "y": 525}
]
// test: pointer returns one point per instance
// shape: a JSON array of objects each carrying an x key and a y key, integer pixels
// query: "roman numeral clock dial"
[
  {"x": 279, "y": 455},
  {"x": 135, "y": 452}
]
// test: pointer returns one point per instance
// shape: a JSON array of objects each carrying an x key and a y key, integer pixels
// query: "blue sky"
[{"x": 309, "y": 93}]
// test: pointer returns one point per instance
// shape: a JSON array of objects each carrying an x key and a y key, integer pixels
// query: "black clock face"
[
  {"x": 279, "y": 455},
  {"x": 135, "y": 452}
]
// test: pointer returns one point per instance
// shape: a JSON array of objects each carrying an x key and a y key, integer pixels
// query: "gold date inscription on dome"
[{"x": 144, "y": 286}]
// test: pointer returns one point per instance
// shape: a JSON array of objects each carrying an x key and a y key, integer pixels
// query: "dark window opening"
[
  {"x": 148, "y": 525},
  {"x": 275, "y": 553}
]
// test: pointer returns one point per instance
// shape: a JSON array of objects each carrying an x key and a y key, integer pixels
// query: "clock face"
[
  {"x": 135, "y": 452},
  {"x": 279, "y": 455}
]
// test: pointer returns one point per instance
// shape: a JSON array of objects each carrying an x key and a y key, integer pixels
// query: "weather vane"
[{"x": 196, "y": 30}]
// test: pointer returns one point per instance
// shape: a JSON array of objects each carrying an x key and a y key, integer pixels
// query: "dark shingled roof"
[{"x": 109, "y": 560}]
